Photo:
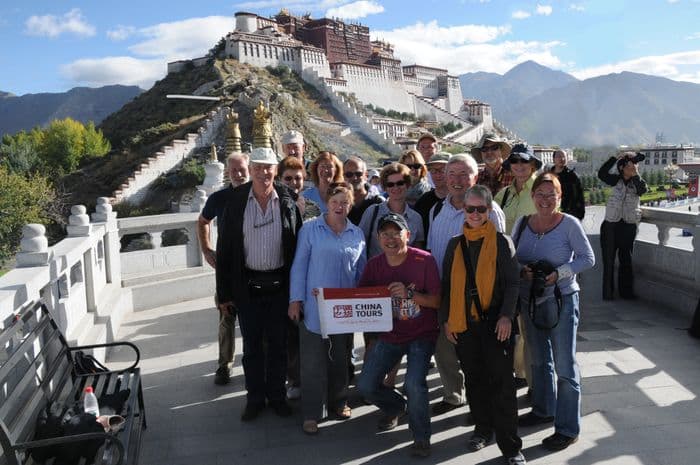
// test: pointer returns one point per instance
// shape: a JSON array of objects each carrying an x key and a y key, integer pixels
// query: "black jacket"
[
  {"x": 572, "y": 201},
  {"x": 231, "y": 275}
]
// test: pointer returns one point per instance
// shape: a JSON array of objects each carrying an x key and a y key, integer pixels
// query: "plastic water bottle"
[{"x": 90, "y": 402}]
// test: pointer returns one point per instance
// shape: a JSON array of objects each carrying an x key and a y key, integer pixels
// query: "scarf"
[{"x": 485, "y": 276}]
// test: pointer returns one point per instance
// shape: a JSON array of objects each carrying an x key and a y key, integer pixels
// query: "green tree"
[
  {"x": 23, "y": 199},
  {"x": 582, "y": 155},
  {"x": 94, "y": 143},
  {"x": 63, "y": 145},
  {"x": 20, "y": 152}
]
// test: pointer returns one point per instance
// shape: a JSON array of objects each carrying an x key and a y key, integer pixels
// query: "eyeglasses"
[
  {"x": 472, "y": 208},
  {"x": 515, "y": 161},
  {"x": 293, "y": 178},
  {"x": 326, "y": 167},
  {"x": 490, "y": 148},
  {"x": 389, "y": 184},
  {"x": 414, "y": 166},
  {"x": 542, "y": 195},
  {"x": 390, "y": 234},
  {"x": 353, "y": 174}
]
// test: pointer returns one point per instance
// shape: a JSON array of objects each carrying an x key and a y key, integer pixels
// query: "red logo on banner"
[
  {"x": 693, "y": 189},
  {"x": 342, "y": 311}
]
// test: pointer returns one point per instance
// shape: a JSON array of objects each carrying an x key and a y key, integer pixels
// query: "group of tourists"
[{"x": 481, "y": 267}]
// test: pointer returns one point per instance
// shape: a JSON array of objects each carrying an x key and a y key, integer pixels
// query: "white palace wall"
[{"x": 371, "y": 85}]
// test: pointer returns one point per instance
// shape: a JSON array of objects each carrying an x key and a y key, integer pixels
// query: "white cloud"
[
  {"x": 680, "y": 66},
  {"x": 355, "y": 10},
  {"x": 114, "y": 70},
  {"x": 520, "y": 14},
  {"x": 184, "y": 39},
  {"x": 302, "y": 5},
  {"x": 693, "y": 36},
  {"x": 53, "y": 26},
  {"x": 466, "y": 48},
  {"x": 121, "y": 32},
  {"x": 162, "y": 43},
  {"x": 544, "y": 10},
  {"x": 577, "y": 7}
]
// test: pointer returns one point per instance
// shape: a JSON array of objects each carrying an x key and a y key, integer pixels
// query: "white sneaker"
[
  {"x": 293, "y": 392},
  {"x": 517, "y": 460}
]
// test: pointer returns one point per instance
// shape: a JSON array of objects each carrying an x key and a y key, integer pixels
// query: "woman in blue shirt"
[
  {"x": 330, "y": 253},
  {"x": 552, "y": 247}
]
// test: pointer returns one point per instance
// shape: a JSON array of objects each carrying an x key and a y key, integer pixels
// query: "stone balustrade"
[{"x": 665, "y": 271}]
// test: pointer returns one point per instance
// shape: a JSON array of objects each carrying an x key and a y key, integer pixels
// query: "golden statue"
[
  {"x": 262, "y": 126},
  {"x": 214, "y": 156},
  {"x": 233, "y": 133}
]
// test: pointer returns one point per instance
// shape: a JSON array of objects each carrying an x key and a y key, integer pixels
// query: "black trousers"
[
  {"x": 617, "y": 238},
  {"x": 490, "y": 387},
  {"x": 263, "y": 323}
]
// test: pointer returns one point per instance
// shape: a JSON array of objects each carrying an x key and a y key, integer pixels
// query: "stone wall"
[{"x": 135, "y": 188}]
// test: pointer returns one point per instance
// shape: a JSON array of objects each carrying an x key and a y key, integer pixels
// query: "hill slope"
[{"x": 80, "y": 103}]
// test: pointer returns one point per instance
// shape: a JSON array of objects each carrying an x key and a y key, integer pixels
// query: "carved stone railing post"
[
  {"x": 663, "y": 233},
  {"x": 156, "y": 239},
  {"x": 34, "y": 247},
  {"x": 78, "y": 222},
  {"x": 104, "y": 214}
]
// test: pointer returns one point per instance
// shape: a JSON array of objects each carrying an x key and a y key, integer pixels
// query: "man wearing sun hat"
[
  {"x": 427, "y": 145},
  {"x": 491, "y": 150},
  {"x": 254, "y": 254},
  {"x": 293, "y": 145}
]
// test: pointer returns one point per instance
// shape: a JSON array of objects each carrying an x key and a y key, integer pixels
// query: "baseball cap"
[
  {"x": 440, "y": 157},
  {"x": 426, "y": 135},
  {"x": 292, "y": 137},
  {"x": 392, "y": 218},
  {"x": 263, "y": 155}
]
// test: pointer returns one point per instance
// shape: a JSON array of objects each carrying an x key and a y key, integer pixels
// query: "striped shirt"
[
  {"x": 449, "y": 222},
  {"x": 262, "y": 234}
]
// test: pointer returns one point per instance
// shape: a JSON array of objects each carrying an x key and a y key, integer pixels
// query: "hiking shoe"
[
  {"x": 477, "y": 442},
  {"x": 443, "y": 407},
  {"x": 558, "y": 441},
  {"x": 532, "y": 419},
  {"x": 389, "y": 422},
  {"x": 516, "y": 459},
  {"x": 420, "y": 448},
  {"x": 222, "y": 376}
]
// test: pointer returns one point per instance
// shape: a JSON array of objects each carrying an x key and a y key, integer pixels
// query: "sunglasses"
[
  {"x": 292, "y": 178},
  {"x": 490, "y": 148},
  {"x": 515, "y": 161},
  {"x": 414, "y": 166},
  {"x": 353, "y": 174},
  {"x": 389, "y": 184},
  {"x": 472, "y": 209}
]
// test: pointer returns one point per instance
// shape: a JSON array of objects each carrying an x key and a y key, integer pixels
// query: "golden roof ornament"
[
  {"x": 214, "y": 156},
  {"x": 233, "y": 133},
  {"x": 262, "y": 126}
]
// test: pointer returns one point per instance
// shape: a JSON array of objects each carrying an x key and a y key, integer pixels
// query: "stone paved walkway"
[{"x": 641, "y": 380}]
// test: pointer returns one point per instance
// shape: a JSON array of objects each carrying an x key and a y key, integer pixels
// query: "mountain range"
[
  {"x": 544, "y": 106},
  {"x": 80, "y": 103}
]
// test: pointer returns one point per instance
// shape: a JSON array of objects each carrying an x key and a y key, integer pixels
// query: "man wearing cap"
[
  {"x": 461, "y": 174},
  {"x": 293, "y": 145},
  {"x": 622, "y": 215},
  {"x": 572, "y": 201},
  {"x": 237, "y": 166},
  {"x": 436, "y": 169},
  {"x": 355, "y": 172},
  {"x": 491, "y": 149},
  {"x": 427, "y": 146},
  {"x": 254, "y": 254},
  {"x": 411, "y": 276}
]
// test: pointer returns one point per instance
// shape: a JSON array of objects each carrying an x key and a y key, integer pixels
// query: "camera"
[
  {"x": 540, "y": 270},
  {"x": 639, "y": 156}
]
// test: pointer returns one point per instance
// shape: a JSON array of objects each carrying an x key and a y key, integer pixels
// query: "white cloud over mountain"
[
  {"x": 680, "y": 66},
  {"x": 355, "y": 10},
  {"x": 53, "y": 26}
]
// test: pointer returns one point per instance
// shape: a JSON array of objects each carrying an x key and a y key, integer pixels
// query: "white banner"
[{"x": 362, "y": 309}]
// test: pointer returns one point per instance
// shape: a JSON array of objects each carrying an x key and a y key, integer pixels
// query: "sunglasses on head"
[
  {"x": 389, "y": 184},
  {"x": 353, "y": 174},
  {"x": 414, "y": 166},
  {"x": 472, "y": 209},
  {"x": 490, "y": 148}
]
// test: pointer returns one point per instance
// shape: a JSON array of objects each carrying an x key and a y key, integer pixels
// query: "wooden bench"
[{"x": 36, "y": 368}]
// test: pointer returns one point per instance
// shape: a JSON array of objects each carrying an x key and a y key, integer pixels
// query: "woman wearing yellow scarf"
[{"x": 480, "y": 287}]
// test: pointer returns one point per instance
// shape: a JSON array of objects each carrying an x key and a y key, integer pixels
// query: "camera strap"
[{"x": 470, "y": 290}]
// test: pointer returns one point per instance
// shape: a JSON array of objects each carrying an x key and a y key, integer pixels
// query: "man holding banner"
[{"x": 411, "y": 275}]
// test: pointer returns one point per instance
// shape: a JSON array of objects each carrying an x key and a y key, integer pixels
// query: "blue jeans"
[
  {"x": 554, "y": 350},
  {"x": 380, "y": 360}
]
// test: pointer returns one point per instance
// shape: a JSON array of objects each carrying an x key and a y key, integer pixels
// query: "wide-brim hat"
[
  {"x": 292, "y": 137},
  {"x": 524, "y": 152},
  {"x": 439, "y": 158},
  {"x": 264, "y": 156},
  {"x": 426, "y": 135},
  {"x": 372, "y": 173},
  {"x": 491, "y": 137}
]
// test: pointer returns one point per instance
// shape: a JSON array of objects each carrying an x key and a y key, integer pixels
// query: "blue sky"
[{"x": 52, "y": 46}]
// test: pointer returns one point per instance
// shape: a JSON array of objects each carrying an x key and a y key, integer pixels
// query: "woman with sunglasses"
[
  {"x": 419, "y": 176},
  {"x": 330, "y": 253},
  {"x": 395, "y": 180},
  {"x": 515, "y": 200},
  {"x": 479, "y": 294},
  {"x": 292, "y": 174},
  {"x": 552, "y": 248},
  {"x": 325, "y": 169}
]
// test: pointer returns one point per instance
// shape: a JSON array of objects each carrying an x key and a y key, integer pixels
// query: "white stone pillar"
[
  {"x": 112, "y": 245},
  {"x": 34, "y": 247},
  {"x": 214, "y": 178},
  {"x": 198, "y": 201},
  {"x": 78, "y": 222}
]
